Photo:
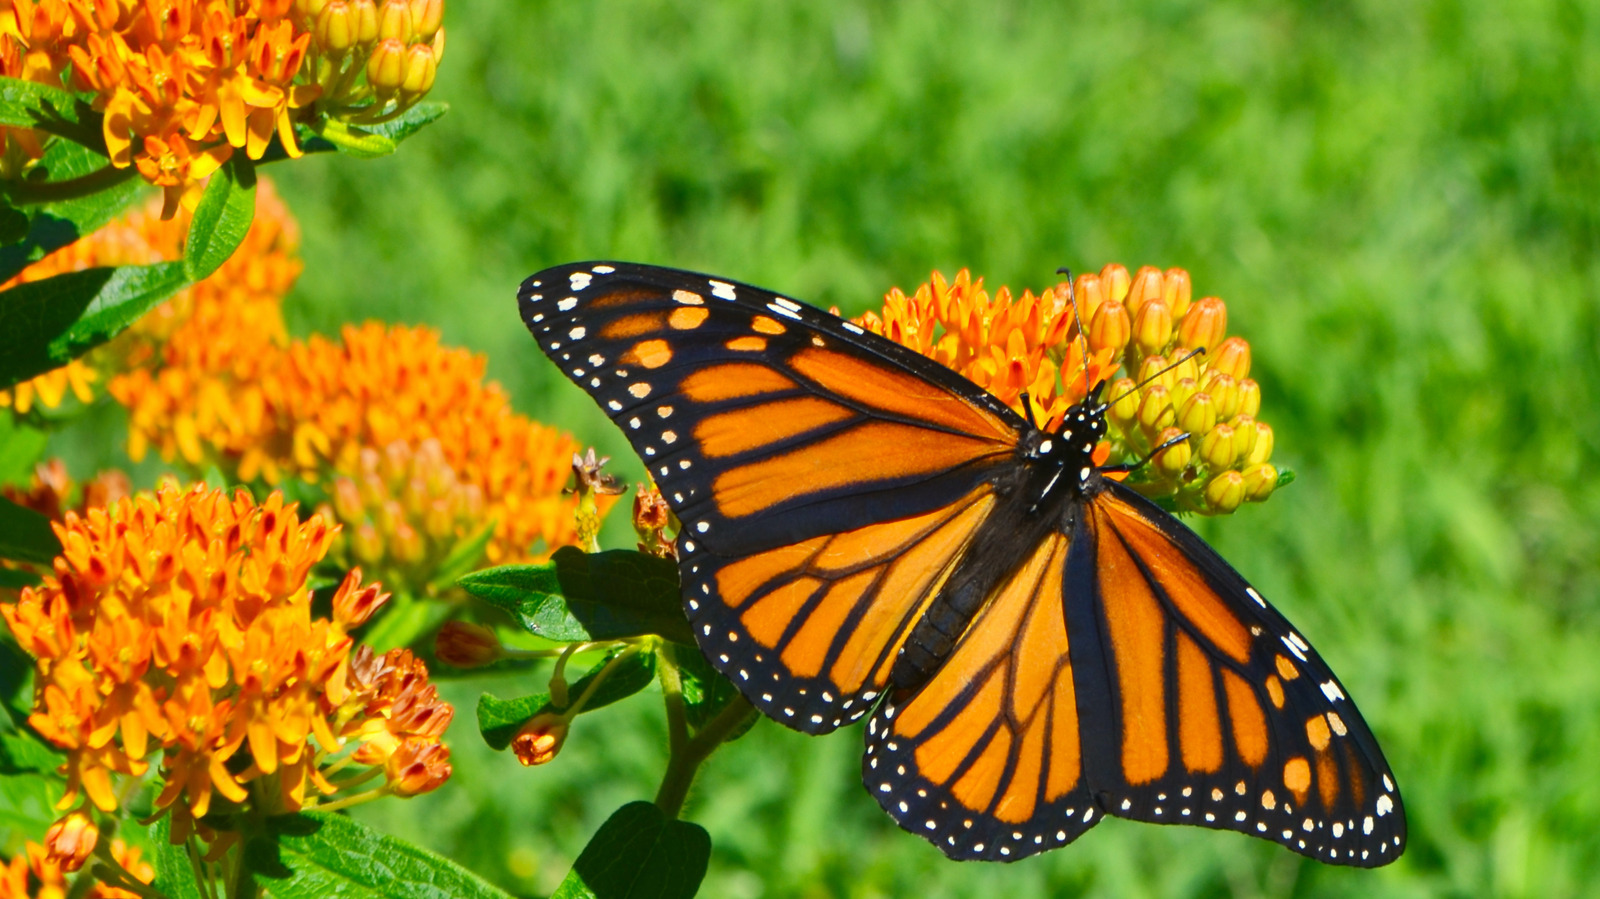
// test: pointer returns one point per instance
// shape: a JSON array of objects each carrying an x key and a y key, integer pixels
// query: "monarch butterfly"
[{"x": 866, "y": 532}]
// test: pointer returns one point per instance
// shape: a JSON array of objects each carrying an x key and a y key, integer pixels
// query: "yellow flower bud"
[
  {"x": 1232, "y": 357},
  {"x": 1110, "y": 327},
  {"x": 1114, "y": 279},
  {"x": 1152, "y": 329},
  {"x": 425, "y": 18},
  {"x": 1182, "y": 389},
  {"x": 70, "y": 841},
  {"x": 1244, "y": 435},
  {"x": 1262, "y": 450},
  {"x": 1186, "y": 368},
  {"x": 463, "y": 644},
  {"x": 1224, "y": 390},
  {"x": 1198, "y": 413},
  {"x": 1146, "y": 287},
  {"x": 1175, "y": 458},
  {"x": 421, "y": 67},
  {"x": 1225, "y": 492},
  {"x": 366, "y": 544},
  {"x": 365, "y": 15},
  {"x": 347, "y": 503},
  {"x": 1249, "y": 397},
  {"x": 1155, "y": 411},
  {"x": 310, "y": 9},
  {"x": 1216, "y": 447},
  {"x": 1204, "y": 324},
  {"x": 1150, "y": 371},
  {"x": 386, "y": 67},
  {"x": 1176, "y": 291},
  {"x": 394, "y": 21},
  {"x": 1126, "y": 408},
  {"x": 1259, "y": 481},
  {"x": 405, "y": 544},
  {"x": 335, "y": 31}
]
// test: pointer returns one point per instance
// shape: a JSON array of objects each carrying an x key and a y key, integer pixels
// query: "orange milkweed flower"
[
  {"x": 176, "y": 633},
  {"x": 1135, "y": 331}
]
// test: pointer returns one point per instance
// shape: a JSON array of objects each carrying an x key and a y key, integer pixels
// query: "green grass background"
[{"x": 1399, "y": 202}]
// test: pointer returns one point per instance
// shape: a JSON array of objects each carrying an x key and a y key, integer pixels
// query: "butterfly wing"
[
  {"x": 826, "y": 478},
  {"x": 1128, "y": 670}
]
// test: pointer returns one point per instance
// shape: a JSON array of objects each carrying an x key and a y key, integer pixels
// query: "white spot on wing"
[
  {"x": 568, "y": 304},
  {"x": 580, "y": 280},
  {"x": 723, "y": 290},
  {"x": 603, "y": 269}
]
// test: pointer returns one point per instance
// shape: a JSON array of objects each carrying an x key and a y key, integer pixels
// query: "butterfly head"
[{"x": 1068, "y": 451}]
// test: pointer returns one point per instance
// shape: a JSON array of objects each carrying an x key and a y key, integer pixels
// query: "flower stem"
[{"x": 685, "y": 763}]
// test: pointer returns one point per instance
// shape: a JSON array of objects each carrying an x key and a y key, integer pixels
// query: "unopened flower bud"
[
  {"x": 1110, "y": 327},
  {"x": 422, "y": 66},
  {"x": 540, "y": 739},
  {"x": 1244, "y": 435},
  {"x": 365, "y": 15},
  {"x": 1176, "y": 291},
  {"x": 1259, "y": 481},
  {"x": 1146, "y": 286},
  {"x": 1198, "y": 413},
  {"x": 1090, "y": 293},
  {"x": 366, "y": 544},
  {"x": 1224, "y": 391},
  {"x": 386, "y": 67},
  {"x": 1116, "y": 281},
  {"x": 1152, "y": 329},
  {"x": 1261, "y": 451},
  {"x": 1153, "y": 371},
  {"x": 1175, "y": 458},
  {"x": 394, "y": 21},
  {"x": 1225, "y": 492},
  {"x": 347, "y": 502},
  {"x": 70, "y": 841},
  {"x": 1204, "y": 324},
  {"x": 425, "y": 18},
  {"x": 406, "y": 545},
  {"x": 335, "y": 30},
  {"x": 310, "y": 9},
  {"x": 466, "y": 645},
  {"x": 1216, "y": 447},
  {"x": 1232, "y": 357},
  {"x": 1126, "y": 407},
  {"x": 1249, "y": 397},
  {"x": 1155, "y": 411}
]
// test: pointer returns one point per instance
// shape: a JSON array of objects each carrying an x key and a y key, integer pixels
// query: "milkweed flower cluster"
[
  {"x": 182, "y": 84},
  {"x": 1172, "y": 371},
  {"x": 176, "y": 635}
]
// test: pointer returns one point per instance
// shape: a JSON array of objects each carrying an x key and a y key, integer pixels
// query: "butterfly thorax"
[{"x": 1054, "y": 474}]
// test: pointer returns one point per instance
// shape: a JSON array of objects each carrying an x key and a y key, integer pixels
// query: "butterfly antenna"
[
  {"x": 1135, "y": 388},
  {"x": 1027, "y": 409},
  {"x": 1072, "y": 297},
  {"x": 1135, "y": 466}
]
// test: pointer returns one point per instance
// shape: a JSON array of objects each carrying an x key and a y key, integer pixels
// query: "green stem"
[
  {"x": 25, "y": 193},
  {"x": 197, "y": 865},
  {"x": 682, "y": 766},
  {"x": 672, "y": 694}
]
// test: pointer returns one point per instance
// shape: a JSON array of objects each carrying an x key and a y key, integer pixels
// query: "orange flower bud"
[
  {"x": 1204, "y": 324},
  {"x": 1259, "y": 481},
  {"x": 1146, "y": 287},
  {"x": 1152, "y": 328},
  {"x": 354, "y": 604},
  {"x": 466, "y": 645},
  {"x": 1175, "y": 458},
  {"x": 1216, "y": 447},
  {"x": 347, "y": 503},
  {"x": 1114, "y": 279},
  {"x": 1197, "y": 413},
  {"x": 540, "y": 739},
  {"x": 1249, "y": 397},
  {"x": 366, "y": 544},
  {"x": 1125, "y": 409},
  {"x": 1176, "y": 291},
  {"x": 1110, "y": 328},
  {"x": 386, "y": 67},
  {"x": 70, "y": 841},
  {"x": 394, "y": 21},
  {"x": 1225, "y": 492},
  {"x": 1155, "y": 412},
  {"x": 425, "y": 18},
  {"x": 422, "y": 65},
  {"x": 418, "y": 766},
  {"x": 365, "y": 15},
  {"x": 1232, "y": 357},
  {"x": 335, "y": 31},
  {"x": 1262, "y": 450},
  {"x": 1090, "y": 293}
]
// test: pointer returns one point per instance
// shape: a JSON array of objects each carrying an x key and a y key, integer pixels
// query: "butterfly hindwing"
[
  {"x": 825, "y": 477},
  {"x": 1225, "y": 716}
]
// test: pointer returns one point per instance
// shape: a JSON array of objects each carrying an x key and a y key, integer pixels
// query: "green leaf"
[
  {"x": 16, "y": 683},
  {"x": 639, "y": 853},
  {"x": 17, "y": 578},
  {"x": 174, "y": 872},
  {"x": 462, "y": 557},
  {"x": 27, "y": 806},
  {"x": 705, "y": 691},
  {"x": 25, "y": 535},
  {"x": 1285, "y": 477},
  {"x": 25, "y": 752},
  {"x": 28, "y": 104},
  {"x": 500, "y": 719},
  {"x": 373, "y": 141},
  {"x": 50, "y": 322},
  {"x": 81, "y": 193},
  {"x": 222, "y": 218},
  {"x": 21, "y": 446},
  {"x": 578, "y": 596},
  {"x": 314, "y": 855}
]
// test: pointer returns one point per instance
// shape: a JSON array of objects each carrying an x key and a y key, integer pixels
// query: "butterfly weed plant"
[{"x": 198, "y": 677}]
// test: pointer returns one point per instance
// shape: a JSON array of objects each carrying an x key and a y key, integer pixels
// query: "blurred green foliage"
[{"x": 1399, "y": 202}]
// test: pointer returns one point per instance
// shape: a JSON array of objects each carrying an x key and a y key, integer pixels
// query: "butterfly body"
[{"x": 866, "y": 533}]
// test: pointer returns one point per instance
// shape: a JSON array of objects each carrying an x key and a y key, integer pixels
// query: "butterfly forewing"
[{"x": 776, "y": 432}]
